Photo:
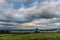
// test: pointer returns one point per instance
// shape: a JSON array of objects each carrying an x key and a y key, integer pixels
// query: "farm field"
[{"x": 31, "y": 36}]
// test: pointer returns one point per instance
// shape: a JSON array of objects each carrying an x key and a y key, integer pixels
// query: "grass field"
[{"x": 32, "y": 36}]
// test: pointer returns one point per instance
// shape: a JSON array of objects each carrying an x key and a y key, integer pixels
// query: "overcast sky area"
[{"x": 29, "y": 14}]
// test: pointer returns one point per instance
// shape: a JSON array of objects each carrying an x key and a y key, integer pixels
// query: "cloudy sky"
[{"x": 29, "y": 14}]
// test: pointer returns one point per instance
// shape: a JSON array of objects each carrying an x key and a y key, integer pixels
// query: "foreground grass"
[{"x": 32, "y": 36}]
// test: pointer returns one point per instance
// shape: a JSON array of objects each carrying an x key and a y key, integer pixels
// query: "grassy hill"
[{"x": 32, "y": 36}]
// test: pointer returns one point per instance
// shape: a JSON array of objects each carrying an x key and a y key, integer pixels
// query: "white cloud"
[{"x": 46, "y": 14}]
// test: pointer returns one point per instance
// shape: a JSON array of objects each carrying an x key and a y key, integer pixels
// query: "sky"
[{"x": 29, "y": 14}]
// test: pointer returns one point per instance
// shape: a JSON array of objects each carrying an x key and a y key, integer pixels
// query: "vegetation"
[
  {"x": 32, "y": 36},
  {"x": 36, "y": 30},
  {"x": 4, "y": 31}
]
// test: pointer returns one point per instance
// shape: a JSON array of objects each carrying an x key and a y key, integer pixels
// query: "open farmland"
[{"x": 32, "y": 36}]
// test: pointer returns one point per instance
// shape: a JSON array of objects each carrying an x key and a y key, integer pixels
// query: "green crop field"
[{"x": 32, "y": 36}]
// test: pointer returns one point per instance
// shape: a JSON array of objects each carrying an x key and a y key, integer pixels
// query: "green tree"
[{"x": 36, "y": 30}]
